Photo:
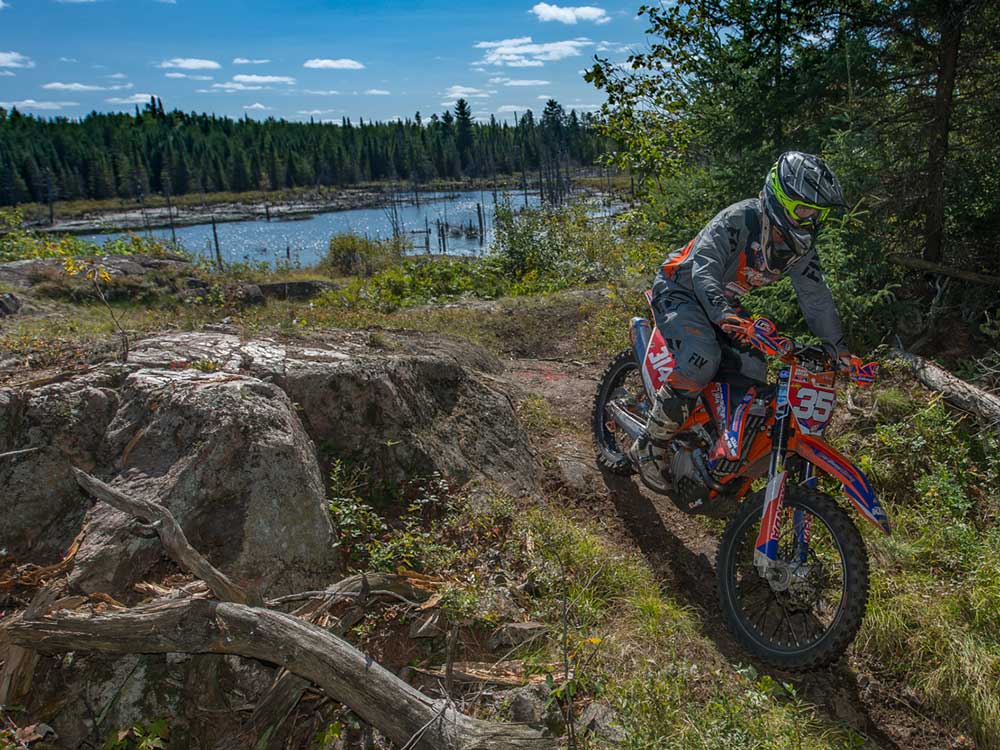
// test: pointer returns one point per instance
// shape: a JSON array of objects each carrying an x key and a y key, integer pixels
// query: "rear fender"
[{"x": 826, "y": 458}]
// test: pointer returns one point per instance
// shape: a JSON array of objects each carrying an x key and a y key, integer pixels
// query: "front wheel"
[
  {"x": 622, "y": 382},
  {"x": 808, "y": 611}
]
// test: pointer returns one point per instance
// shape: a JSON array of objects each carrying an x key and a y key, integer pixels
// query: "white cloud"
[
  {"x": 75, "y": 2},
  {"x": 7, "y": 73},
  {"x": 543, "y": 97},
  {"x": 57, "y": 86},
  {"x": 68, "y": 59},
  {"x": 190, "y": 63},
  {"x": 32, "y": 104},
  {"x": 15, "y": 60},
  {"x": 167, "y": 2},
  {"x": 519, "y": 82},
  {"x": 523, "y": 52},
  {"x": 321, "y": 92},
  {"x": 343, "y": 63},
  {"x": 617, "y": 47},
  {"x": 378, "y": 92},
  {"x": 570, "y": 15},
  {"x": 117, "y": 75},
  {"x": 263, "y": 79},
  {"x": 3, "y": 5},
  {"x": 512, "y": 108},
  {"x": 312, "y": 112},
  {"x": 188, "y": 76},
  {"x": 256, "y": 105},
  {"x": 134, "y": 99},
  {"x": 466, "y": 92},
  {"x": 230, "y": 86},
  {"x": 249, "y": 61}
]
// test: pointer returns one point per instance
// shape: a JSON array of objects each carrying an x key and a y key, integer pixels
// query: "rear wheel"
[
  {"x": 808, "y": 615},
  {"x": 622, "y": 382}
]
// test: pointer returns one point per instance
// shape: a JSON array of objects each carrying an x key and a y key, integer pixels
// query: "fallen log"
[
  {"x": 955, "y": 391},
  {"x": 198, "y": 626},
  {"x": 406, "y": 716},
  {"x": 958, "y": 273}
]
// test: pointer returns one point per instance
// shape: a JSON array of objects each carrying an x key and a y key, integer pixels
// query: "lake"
[{"x": 303, "y": 241}]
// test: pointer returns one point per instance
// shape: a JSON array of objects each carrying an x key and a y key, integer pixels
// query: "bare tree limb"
[
  {"x": 171, "y": 534},
  {"x": 201, "y": 626},
  {"x": 956, "y": 391},
  {"x": 925, "y": 265}
]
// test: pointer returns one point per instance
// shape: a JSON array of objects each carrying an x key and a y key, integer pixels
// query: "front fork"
[{"x": 766, "y": 547}]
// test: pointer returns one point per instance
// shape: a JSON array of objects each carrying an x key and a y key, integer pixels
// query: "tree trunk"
[
  {"x": 956, "y": 391},
  {"x": 401, "y": 712},
  {"x": 951, "y": 18}
]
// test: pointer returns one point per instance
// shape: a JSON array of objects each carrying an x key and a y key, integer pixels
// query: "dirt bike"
[{"x": 792, "y": 569}]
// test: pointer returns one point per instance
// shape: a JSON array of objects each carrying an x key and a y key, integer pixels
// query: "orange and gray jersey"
[{"x": 720, "y": 265}]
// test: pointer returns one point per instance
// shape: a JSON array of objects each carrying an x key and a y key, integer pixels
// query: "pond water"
[{"x": 303, "y": 241}]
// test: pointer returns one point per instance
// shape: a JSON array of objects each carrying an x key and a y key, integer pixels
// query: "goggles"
[{"x": 800, "y": 212}]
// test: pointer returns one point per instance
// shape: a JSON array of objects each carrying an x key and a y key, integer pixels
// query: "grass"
[{"x": 934, "y": 615}]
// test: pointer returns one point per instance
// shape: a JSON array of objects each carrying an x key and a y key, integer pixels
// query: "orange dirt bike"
[{"x": 792, "y": 569}]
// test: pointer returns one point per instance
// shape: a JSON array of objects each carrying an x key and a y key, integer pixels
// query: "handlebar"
[{"x": 765, "y": 337}]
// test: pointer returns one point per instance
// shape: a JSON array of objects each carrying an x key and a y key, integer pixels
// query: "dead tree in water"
[{"x": 238, "y": 624}]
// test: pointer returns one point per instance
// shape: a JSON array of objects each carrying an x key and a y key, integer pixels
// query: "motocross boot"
[{"x": 649, "y": 451}]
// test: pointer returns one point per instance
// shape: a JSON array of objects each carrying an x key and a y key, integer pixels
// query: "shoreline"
[{"x": 115, "y": 220}]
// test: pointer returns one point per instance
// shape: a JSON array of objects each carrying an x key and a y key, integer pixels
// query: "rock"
[
  {"x": 419, "y": 405},
  {"x": 224, "y": 432},
  {"x": 27, "y": 273},
  {"x": 430, "y": 624},
  {"x": 9, "y": 304},
  {"x": 228, "y": 456},
  {"x": 531, "y": 705},
  {"x": 514, "y": 634},
  {"x": 576, "y": 475},
  {"x": 599, "y": 718},
  {"x": 248, "y": 294},
  {"x": 296, "y": 289}
]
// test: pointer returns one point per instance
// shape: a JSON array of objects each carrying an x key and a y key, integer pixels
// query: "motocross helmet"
[{"x": 798, "y": 195}]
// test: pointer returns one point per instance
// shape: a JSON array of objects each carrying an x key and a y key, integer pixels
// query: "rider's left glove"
[{"x": 859, "y": 372}]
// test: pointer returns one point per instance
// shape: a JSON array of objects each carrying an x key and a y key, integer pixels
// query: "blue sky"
[{"x": 297, "y": 59}]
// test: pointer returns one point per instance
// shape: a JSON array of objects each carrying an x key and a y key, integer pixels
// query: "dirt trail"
[{"x": 681, "y": 551}]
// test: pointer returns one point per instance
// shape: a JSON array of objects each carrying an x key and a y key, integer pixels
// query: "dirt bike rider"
[{"x": 747, "y": 245}]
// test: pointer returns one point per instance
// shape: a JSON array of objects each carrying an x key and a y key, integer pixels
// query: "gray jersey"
[{"x": 720, "y": 265}]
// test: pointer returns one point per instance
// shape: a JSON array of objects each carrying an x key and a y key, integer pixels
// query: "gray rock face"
[
  {"x": 404, "y": 404},
  {"x": 225, "y": 434}
]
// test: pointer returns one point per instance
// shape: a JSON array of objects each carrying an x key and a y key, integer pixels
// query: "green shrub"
[
  {"x": 354, "y": 255},
  {"x": 18, "y": 243}
]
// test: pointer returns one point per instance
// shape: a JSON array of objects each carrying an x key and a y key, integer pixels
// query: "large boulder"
[
  {"x": 234, "y": 437},
  {"x": 404, "y": 404}
]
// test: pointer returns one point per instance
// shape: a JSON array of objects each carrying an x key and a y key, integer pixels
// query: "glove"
[
  {"x": 761, "y": 334},
  {"x": 857, "y": 370},
  {"x": 740, "y": 329}
]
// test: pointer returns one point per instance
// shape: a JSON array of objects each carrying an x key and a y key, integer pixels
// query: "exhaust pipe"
[{"x": 624, "y": 419}]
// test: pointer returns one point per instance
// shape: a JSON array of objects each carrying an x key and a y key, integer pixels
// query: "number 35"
[{"x": 813, "y": 404}]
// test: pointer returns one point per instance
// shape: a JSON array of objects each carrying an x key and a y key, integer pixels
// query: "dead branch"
[
  {"x": 345, "y": 674},
  {"x": 171, "y": 534},
  {"x": 959, "y": 273},
  {"x": 309, "y": 653},
  {"x": 956, "y": 391}
]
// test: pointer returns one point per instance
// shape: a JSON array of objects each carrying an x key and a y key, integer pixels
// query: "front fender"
[{"x": 856, "y": 485}]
